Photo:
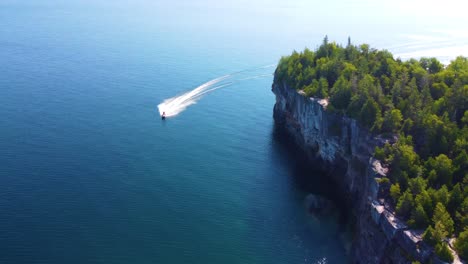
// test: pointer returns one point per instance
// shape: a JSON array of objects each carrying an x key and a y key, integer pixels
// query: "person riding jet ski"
[{"x": 163, "y": 116}]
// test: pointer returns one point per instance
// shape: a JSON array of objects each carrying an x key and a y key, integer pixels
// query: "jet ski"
[{"x": 163, "y": 117}]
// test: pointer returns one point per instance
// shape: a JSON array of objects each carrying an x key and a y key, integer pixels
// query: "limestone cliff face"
[{"x": 341, "y": 147}]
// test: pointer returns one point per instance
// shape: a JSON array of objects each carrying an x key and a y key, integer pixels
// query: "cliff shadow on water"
[{"x": 309, "y": 178}]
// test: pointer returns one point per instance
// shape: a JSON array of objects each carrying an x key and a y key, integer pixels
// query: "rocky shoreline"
[{"x": 339, "y": 146}]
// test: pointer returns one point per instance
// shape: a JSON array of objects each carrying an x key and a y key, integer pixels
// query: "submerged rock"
[{"x": 319, "y": 205}]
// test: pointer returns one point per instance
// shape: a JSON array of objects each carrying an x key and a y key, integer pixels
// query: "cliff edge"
[{"x": 341, "y": 147}]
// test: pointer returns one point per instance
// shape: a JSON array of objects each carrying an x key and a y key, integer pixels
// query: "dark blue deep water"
[{"x": 90, "y": 174}]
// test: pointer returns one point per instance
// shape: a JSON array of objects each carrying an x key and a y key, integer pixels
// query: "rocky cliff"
[{"x": 341, "y": 147}]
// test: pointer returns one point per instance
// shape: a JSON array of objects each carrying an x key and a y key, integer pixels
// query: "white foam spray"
[{"x": 177, "y": 104}]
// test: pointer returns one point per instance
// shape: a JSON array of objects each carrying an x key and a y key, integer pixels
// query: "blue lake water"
[{"x": 90, "y": 174}]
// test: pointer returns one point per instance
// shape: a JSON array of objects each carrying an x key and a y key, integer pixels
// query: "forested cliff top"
[{"x": 422, "y": 101}]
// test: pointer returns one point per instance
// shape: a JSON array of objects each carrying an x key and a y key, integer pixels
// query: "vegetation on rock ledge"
[{"x": 421, "y": 101}]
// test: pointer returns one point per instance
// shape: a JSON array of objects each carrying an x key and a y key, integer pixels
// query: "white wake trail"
[
  {"x": 173, "y": 106},
  {"x": 177, "y": 104},
  {"x": 256, "y": 77}
]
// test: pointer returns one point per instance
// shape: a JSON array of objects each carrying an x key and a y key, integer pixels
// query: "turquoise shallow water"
[{"x": 90, "y": 174}]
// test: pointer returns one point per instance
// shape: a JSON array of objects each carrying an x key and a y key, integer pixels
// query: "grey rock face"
[{"x": 338, "y": 145}]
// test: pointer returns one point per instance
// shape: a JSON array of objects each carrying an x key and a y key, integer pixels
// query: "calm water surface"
[{"x": 90, "y": 174}]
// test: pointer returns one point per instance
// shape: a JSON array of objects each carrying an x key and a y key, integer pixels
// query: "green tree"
[
  {"x": 461, "y": 244},
  {"x": 438, "y": 90},
  {"x": 456, "y": 198},
  {"x": 462, "y": 215},
  {"x": 442, "y": 165},
  {"x": 464, "y": 119},
  {"x": 441, "y": 196},
  {"x": 460, "y": 162},
  {"x": 322, "y": 91},
  {"x": 435, "y": 132},
  {"x": 405, "y": 164},
  {"x": 405, "y": 204},
  {"x": 395, "y": 192},
  {"x": 341, "y": 94},
  {"x": 311, "y": 89},
  {"x": 429, "y": 236},
  {"x": 443, "y": 252},
  {"x": 370, "y": 113},
  {"x": 439, "y": 232},
  {"x": 308, "y": 75},
  {"x": 323, "y": 50},
  {"x": 348, "y": 71},
  {"x": 432, "y": 65},
  {"x": 459, "y": 65},
  {"x": 425, "y": 200},
  {"x": 442, "y": 219},
  {"x": 392, "y": 120},
  {"x": 417, "y": 185},
  {"x": 379, "y": 153},
  {"x": 435, "y": 66},
  {"x": 419, "y": 218}
]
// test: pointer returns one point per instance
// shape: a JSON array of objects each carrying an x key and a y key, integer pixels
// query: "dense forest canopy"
[{"x": 421, "y": 101}]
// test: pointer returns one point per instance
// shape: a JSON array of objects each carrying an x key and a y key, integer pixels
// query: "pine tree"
[
  {"x": 417, "y": 185},
  {"x": 425, "y": 200},
  {"x": 442, "y": 219},
  {"x": 461, "y": 244},
  {"x": 419, "y": 217},
  {"x": 428, "y": 236},
  {"x": 456, "y": 198},
  {"x": 395, "y": 192},
  {"x": 443, "y": 252},
  {"x": 405, "y": 203}
]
